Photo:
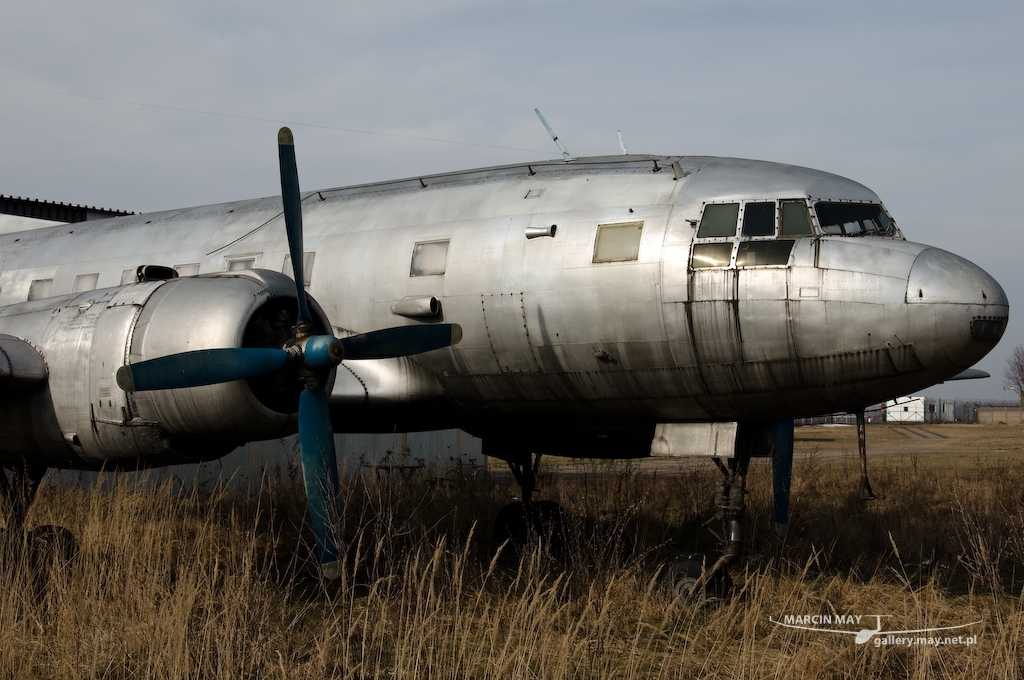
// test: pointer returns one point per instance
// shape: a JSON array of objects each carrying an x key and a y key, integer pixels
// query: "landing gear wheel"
[
  {"x": 51, "y": 547},
  {"x": 18, "y": 492},
  {"x": 683, "y": 574},
  {"x": 49, "y": 552},
  {"x": 518, "y": 523}
]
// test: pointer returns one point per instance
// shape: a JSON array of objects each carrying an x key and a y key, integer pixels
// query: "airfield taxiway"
[{"x": 930, "y": 444}]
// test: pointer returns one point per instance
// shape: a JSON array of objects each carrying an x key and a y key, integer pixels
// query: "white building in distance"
[{"x": 905, "y": 410}]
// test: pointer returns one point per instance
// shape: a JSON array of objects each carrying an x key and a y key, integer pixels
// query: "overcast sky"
[{"x": 921, "y": 101}]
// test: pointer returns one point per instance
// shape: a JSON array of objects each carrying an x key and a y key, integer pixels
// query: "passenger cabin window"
[
  {"x": 187, "y": 269},
  {"x": 85, "y": 282},
  {"x": 719, "y": 219},
  {"x": 429, "y": 258},
  {"x": 241, "y": 264},
  {"x": 618, "y": 242},
  {"x": 759, "y": 219},
  {"x": 854, "y": 219},
  {"x": 307, "y": 268},
  {"x": 128, "y": 276},
  {"x": 39, "y": 289}
]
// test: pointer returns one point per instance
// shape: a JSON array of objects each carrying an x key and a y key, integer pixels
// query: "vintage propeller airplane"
[{"x": 587, "y": 307}]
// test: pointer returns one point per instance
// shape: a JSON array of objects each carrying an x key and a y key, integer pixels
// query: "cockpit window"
[
  {"x": 707, "y": 255},
  {"x": 719, "y": 219},
  {"x": 795, "y": 219},
  {"x": 763, "y": 253},
  {"x": 854, "y": 219},
  {"x": 759, "y": 219}
]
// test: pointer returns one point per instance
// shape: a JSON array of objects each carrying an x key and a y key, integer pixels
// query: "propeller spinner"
[{"x": 315, "y": 355}]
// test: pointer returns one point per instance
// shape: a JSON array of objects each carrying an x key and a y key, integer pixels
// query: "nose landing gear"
[
  {"x": 865, "y": 493},
  {"x": 695, "y": 574}
]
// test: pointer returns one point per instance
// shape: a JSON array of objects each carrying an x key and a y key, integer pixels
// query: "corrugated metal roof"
[{"x": 55, "y": 212}]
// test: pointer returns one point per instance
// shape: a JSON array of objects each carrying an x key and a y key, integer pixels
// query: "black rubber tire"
[
  {"x": 545, "y": 521},
  {"x": 682, "y": 574},
  {"x": 51, "y": 547}
]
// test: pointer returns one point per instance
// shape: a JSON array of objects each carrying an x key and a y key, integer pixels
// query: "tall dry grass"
[{"x": 190, "y": 585}]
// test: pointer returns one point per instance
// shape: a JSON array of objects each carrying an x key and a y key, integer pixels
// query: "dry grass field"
[{"x": 218, "y": 585}]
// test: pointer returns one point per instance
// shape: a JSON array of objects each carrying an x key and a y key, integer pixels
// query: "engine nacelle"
[{"x": 81, "y": 418}]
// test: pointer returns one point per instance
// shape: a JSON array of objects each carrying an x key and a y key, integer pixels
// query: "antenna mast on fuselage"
[{"x": 554, "y": 137}]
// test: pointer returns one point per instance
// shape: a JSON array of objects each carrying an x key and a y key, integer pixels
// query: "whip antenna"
[{"x": 554, "y": 137}]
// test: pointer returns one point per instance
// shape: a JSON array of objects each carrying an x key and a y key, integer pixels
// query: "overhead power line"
[{"x": 276, "y": 121}]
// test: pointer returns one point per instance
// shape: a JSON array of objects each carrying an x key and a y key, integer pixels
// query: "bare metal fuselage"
[{"x": 559, "y": 344}]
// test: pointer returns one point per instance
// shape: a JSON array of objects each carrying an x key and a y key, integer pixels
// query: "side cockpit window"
[
  {"x": 854, "y": 219},
  {"x": 707, "y": 255},
  {"x": 719, "y": 219},
  {"x": 763, "y": 253}
]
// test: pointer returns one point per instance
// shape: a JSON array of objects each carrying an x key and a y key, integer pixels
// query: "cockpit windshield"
[{"x": 854, "y": 219}]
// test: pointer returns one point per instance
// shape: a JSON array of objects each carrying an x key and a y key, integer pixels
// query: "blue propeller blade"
[
  {"x": 202, "y": 367},
  {"x": 401, "y": 341},
  {"x": 292, "y": 213},
  {"x": 782, "y": 473},
  {"x": 320, "y": 472}
]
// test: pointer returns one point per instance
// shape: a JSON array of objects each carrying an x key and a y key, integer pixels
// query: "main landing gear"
[
  {"x": 520, "y": 521},
  {"x": 17, "y": 491},
  {"x": 48, "y": 546}
]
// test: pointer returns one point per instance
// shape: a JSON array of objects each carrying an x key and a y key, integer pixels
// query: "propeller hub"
[{"x": 323, "y": 352}]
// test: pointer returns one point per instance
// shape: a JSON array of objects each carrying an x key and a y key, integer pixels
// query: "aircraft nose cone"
[
  {"x": 941, "y": 276},
  {"x": 963, "y": 307}
]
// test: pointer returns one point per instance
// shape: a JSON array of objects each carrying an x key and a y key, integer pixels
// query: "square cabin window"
[
  {"x": 307, "y": 267},
  {"x": 719, "y": 219},
  {"x": 39, "y": 289},
  {"x": 85, "y": 282},
  {"x": 618, "y": 242},
  {"x": 759, "y": 219},
  {"x": 241, "y": 264},
  {"x": 187, "y": 269},
  {"x": 429, "y": 258}
]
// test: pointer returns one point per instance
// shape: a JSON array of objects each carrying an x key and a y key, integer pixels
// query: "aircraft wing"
[{"x": 970, "y": 374}]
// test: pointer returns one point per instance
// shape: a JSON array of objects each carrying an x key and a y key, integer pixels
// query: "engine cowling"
[{"x": 81, "y": 418}]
